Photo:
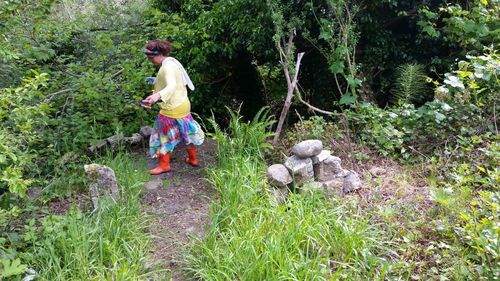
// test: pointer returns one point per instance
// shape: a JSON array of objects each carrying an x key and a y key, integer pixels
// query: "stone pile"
[{"x": 311, "y": 166}]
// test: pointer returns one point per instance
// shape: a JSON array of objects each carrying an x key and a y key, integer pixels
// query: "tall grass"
[
  {"x": 110, "y": 244},
  {"x": 307, "y": 238}
]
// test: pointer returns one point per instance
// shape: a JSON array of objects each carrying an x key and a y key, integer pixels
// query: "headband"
[{"x": 151, "y": 52}]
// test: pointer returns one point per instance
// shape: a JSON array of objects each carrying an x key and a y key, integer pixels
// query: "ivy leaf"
[
  {"x": 439, "y": 117},
  {"x": 325, "y": 35},
  {"x": 454, "y": 81},
  {"x": 340, "y": 51},
  {"x": 353, "y": 81},
  {"x": 347, "y": 99},
  {"x": 430, "y": 31},
  {"x": 337, "y": 67}
]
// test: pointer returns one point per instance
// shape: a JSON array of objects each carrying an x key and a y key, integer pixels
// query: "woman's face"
[{"x": 156, "y": 59}]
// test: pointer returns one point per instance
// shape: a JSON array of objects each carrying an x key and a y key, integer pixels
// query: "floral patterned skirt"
[{"x": 168, "y": 132}]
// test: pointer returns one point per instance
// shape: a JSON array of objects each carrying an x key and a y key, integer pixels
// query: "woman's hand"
[{"x": 152, "y": 98}]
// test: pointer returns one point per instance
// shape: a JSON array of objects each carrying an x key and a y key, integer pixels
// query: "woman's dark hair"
[{"x": 162, "y": 46}]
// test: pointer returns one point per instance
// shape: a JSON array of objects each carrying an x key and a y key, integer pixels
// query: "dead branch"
[
  {"x": 52, "y": 95},
  {"x": 291, "y": 83},
  {"x": 329, "y": 113},
  {"x": 116, "y": 74}
]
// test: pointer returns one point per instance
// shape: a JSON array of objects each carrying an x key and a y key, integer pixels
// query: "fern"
[{"x": 411, "y": 85}]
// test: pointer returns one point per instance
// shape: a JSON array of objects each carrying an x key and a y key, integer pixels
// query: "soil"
[{"x": 178, "y": 203}]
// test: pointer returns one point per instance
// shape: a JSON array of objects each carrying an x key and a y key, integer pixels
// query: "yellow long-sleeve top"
[{"x": 169, "y": 84}]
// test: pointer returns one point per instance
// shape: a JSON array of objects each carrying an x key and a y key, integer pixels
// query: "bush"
[{"x": 22, "y": 116}]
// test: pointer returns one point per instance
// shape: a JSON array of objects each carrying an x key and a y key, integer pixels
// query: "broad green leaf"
[
  {"x": 439, "y": 117},
  {"x": 337, "y": 67},
  {"x": 12, "y": 268},
  {"x": 353, "y": 81},
  {"x": 347, "y": 99}
]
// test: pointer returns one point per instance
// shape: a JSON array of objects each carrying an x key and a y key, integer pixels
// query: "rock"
[
  {"x": 301, "y": 169},
  {"x": 377, "y": 172},
  {"x": 333, "y": 184},
  {"x": 279, "y": 195},
  {"x": 278, "y": 175},
  {"x": 103, "y": 183},
  {"x": 134, "y": 139},
  {"x": 311, "y": 187},
  {"x": 145, "y": 131},
  {"x": 351, "y": 182},
  {"x": 343, "y": 173},
  {"x": 322, "y": 156},
  {"x": 308, "y": 148},
  {"x": 333, "y": 187},
  {"x": 329, "y": 169}
]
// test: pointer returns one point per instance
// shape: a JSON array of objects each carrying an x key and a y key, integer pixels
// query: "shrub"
[{"x": 22, "y": 115}]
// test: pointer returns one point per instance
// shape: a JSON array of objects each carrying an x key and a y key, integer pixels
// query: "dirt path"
[{"x": 178, "y": 202}]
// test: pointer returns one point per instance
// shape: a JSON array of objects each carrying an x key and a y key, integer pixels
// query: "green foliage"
[
  {"x": 473, "y": 26},
  {"x": 92, "y": 53},
  {"x": 339, "y": 30},
  {"x": 93, "y": 77},
  {"x": 476, "y": 81},
  {"x": 22, "y": 115},
  {"x": 376, "y": 127},
  {"x": 410, "y": 84},
  {"x": 108, "y": 244},
  {"x": 404, "y": 130},
  {"x": 247, "y": 138},
  {"x": 465, "y": 101},
  {"x": 11, "y": 268},
  {"x": 315, "y": 127},
  {"x": 469, "y": 200}
]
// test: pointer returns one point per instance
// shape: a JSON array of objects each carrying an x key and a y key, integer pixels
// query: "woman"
[{"x": 174, "y": 124}]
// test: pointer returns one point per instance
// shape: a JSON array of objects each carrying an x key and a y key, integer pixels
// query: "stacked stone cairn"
[{"x": 311, "y": 167}]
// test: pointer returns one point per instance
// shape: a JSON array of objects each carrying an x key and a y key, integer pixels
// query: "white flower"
[{"x": 393, "y": 115}]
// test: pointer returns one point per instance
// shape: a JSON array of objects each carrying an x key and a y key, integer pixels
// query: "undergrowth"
[
  {"x": 107, "y": 244},
  {"x": 252, "y": 238},
  {"x": 442, "y": 226}
]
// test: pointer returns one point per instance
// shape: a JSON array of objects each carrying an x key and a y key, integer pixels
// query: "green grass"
[
  {"x": 250, "y": 238},
  {"x": 109, "y": 244}
]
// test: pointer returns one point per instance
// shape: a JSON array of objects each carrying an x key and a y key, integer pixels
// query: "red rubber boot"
[
  {"x": 164, "y": 165},
  {"x": 191, "y": 160}
]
